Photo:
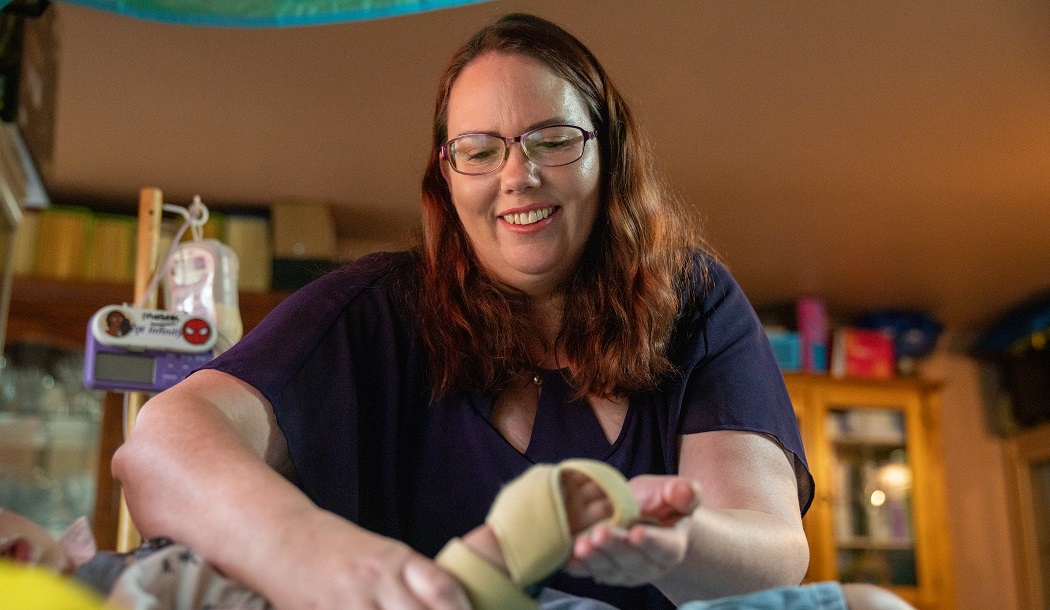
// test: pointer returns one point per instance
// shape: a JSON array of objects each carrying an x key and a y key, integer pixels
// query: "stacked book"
[{"x": 77, "y": 243}]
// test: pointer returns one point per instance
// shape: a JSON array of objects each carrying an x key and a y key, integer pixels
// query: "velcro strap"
[
  {"x": 529, "y": 521},
  {"x": 486, "y": 586}
]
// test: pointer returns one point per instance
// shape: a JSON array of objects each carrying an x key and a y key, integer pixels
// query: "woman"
[{"x": 558, "y": 307}]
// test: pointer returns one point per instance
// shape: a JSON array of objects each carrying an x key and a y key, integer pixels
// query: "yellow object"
[
  {"x": 487, "y": 587},
  {"x": 33, "y": 588}
]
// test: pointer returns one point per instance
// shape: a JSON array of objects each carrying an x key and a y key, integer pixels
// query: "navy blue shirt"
[{"x": 342, "y": 363}]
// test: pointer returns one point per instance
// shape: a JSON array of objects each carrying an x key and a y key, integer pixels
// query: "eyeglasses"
[{"x": 474, "y": 154}]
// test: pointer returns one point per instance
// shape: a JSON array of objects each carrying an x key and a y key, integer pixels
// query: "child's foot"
[{"x": 585, "y": 505}]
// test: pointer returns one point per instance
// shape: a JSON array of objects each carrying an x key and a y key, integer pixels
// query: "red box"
[{"x": 859, "y": 352}]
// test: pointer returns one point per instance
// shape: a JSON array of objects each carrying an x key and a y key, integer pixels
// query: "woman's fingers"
[
  {"x": 664, "y": 499},
  {"x": 433, "y": 587}
]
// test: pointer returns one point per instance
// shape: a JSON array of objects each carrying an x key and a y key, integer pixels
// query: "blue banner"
[{"x": 266, "y": 13}]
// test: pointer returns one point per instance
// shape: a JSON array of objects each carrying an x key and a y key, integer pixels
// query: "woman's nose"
[{"x": 519, "y": 171}]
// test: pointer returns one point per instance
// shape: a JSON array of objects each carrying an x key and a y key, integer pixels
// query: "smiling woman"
[
  {"x": 266, "y": 13},
  {"x": 557, "y": 307}
]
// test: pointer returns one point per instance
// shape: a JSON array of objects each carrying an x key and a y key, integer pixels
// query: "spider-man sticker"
[{"x": 196, "y": 331}]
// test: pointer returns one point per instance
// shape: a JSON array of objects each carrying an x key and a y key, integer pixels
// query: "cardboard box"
[
  {"x": 250, "y": 239},
  {"x": 303, "y": 230}
]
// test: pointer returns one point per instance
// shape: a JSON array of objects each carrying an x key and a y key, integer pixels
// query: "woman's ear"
[{"x": 444, "y": 171}]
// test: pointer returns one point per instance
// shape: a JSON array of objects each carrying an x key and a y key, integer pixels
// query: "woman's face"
[{"x": 506, "y": 94}]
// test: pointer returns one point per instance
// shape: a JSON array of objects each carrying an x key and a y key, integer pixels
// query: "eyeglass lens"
[{"x": 475, "y": 154}]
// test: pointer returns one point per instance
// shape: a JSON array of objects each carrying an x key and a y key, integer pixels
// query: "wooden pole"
[{"x": 151, "y": 202}]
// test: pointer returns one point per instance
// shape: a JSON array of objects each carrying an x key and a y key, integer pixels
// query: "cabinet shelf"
[
  {"x": 56, "y": 312},
  {"x": 862, "y": 543},
  {"x": 874, "y": 443}
]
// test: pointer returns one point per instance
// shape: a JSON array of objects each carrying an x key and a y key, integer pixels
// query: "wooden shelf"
[{"x": 56, "y": 312}]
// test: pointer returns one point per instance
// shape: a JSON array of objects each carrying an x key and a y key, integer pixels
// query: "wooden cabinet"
[
  {"x": 879, "y": 514},
  {"x": 1028, "y": 461}
]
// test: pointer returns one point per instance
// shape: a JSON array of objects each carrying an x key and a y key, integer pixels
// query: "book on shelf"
[
  {"x": 23, "y": 256},
  {"x": 303, "y": 230},
  {"x": 111, "y": 250},
  {"x": 62, "y": 238}
]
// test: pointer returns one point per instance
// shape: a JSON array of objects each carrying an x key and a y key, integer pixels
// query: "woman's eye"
[
  {"x": 554, "y": 144},
  {"x": 480, "y": 154}
]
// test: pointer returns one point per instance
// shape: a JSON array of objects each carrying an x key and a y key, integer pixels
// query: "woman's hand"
[
  {"x": 337, "y": 565},
  {"x": 645, "y": 551}
]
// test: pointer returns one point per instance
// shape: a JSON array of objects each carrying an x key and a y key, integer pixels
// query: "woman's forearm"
[
  {"x": 190, "y": 474},
  {"x": 731, "y": 551}
]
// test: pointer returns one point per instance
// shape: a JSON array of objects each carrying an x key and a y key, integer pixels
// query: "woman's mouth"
[{"x": 528, "y": 218}]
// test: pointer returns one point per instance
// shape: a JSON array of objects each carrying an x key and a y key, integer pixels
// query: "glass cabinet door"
[
  {"x": 1029, "y": 458},
  {"x": 1040, "y": 481},
  {"x": 871, "y": 496},
  {"x": 49, "y": 435}
]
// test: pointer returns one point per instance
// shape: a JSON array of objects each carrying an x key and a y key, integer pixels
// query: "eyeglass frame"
[{"x": 520, "y": 139}]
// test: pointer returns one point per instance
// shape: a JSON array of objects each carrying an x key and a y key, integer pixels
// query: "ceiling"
[{"x": 876, "y": 154}]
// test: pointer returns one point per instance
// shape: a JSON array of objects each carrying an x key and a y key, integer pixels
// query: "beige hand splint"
[{"x": 532, "y": 527}]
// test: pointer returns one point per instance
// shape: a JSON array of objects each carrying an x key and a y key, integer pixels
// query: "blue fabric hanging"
[{"x": 266, "y": 13}]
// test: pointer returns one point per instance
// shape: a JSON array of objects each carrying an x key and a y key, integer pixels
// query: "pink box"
[{"x": 812, "y": 317}]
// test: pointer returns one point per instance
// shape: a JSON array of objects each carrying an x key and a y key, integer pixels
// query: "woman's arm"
[
  {"x": 203, "y": 466},
  {"x": 745, "y": 535}
]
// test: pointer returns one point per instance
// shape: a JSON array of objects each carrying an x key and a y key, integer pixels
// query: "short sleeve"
[
  {"x": 732, "y": 381},
  {"x": 323, "y": 359}
]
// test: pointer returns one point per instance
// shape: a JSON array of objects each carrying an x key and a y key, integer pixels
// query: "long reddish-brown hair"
[{"x": 624, "y": 296}]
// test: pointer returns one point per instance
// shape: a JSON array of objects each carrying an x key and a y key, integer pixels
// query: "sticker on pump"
[{"x": 135, "y": 328}]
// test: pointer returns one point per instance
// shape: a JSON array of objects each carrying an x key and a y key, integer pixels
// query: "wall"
[{"x": 985, "y": 574}]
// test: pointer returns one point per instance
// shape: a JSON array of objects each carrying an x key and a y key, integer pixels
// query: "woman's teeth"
[{"x": 528, "y": 218}]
